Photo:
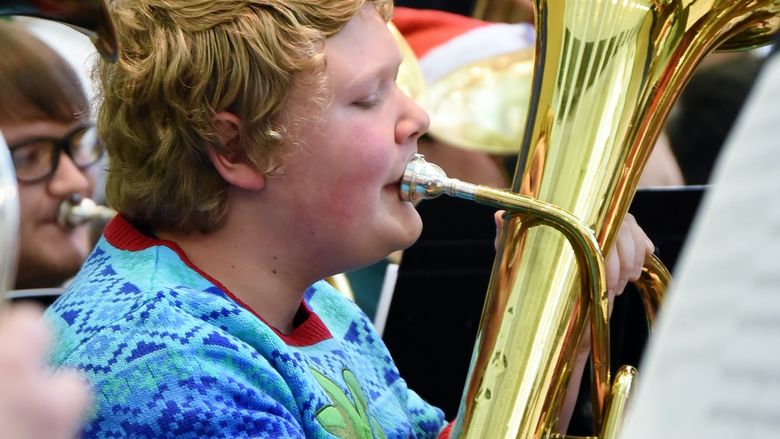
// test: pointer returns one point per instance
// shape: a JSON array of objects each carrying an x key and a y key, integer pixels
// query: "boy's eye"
[{"x": 366, "y": 104}]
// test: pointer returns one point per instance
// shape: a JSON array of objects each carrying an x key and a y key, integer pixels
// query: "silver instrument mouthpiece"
[
  {"x": 77, "y": 210},
  {"x": 423, "y": 180}
]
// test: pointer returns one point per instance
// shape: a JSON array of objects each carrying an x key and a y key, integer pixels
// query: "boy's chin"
[
  {"x": 415, "y": 234},
  {"x": 411, "y": 231}
]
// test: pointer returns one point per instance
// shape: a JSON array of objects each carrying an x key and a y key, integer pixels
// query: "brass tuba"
[
  {"x": 605, "y": 76},
  {"x": 91, "y": 18}
]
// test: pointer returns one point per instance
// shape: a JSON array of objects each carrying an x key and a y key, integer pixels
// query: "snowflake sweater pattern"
[{"x": 171, "y": 353}]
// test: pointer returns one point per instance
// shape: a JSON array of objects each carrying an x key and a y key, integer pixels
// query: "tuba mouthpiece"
[{"x": 423, "y": 181}]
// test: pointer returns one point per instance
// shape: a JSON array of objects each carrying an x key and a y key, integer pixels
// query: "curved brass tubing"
[
  {"x": 652, "y": 285},
  {"x": 423, "y": 180}
]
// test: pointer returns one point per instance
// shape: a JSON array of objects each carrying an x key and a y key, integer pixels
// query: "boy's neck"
[{"x": 244, "y": 260}]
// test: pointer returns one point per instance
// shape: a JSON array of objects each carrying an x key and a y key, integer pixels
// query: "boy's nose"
[{"x": 414, "y": 122}]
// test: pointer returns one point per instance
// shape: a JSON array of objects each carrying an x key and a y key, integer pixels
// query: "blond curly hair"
[{"x": 181, "y": 62}]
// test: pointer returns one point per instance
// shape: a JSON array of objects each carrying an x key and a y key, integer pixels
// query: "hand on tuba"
[
  {"x": 625, "y": 260},
  {"x": 624, "y": 264},
  {"x": 627, "y": 257}
]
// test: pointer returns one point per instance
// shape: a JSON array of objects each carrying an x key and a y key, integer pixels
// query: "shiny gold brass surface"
[
  {"x": 652, "y": 285},
  {"x": 606, "y": 74},
  {"x": 90, "y": 17},
  {"x": 616, "y": 402},
  {"x": 482, "y": 106},
  {"x": 423, "y": 180}
]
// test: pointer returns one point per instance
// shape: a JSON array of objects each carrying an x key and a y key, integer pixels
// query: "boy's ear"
[{"x": 229, "y": 159}]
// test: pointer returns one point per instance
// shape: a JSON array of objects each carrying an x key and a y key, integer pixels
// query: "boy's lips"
[
  {"x": 395, "y": 187},
  {"x": 396, "y": 184}
]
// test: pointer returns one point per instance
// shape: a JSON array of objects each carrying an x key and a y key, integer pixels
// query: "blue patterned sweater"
[{"x": 172, "y": 354}]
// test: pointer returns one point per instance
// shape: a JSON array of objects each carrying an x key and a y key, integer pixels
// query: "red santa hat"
[
  {"x": 444, "y": 41},
  {"x": 488, "y": 111}
]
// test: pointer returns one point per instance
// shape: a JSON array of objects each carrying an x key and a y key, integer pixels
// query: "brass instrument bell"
[
  {"x": 483, "y": 105},
  {"x": 605, "y": 76}
]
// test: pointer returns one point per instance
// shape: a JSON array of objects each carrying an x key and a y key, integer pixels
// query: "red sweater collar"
[{"x": 124, "y": 236}]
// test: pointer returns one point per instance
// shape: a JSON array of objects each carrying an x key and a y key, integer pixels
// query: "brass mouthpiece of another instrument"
[{"x": 78, "y": 210}]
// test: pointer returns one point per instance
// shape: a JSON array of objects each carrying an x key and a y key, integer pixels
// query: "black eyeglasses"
[{"x": 37, "y": 159}]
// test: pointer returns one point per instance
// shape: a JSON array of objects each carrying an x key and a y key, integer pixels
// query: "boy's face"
[
  {"x": 48, "y": 253},
  {"x": 341, "y": 188}
]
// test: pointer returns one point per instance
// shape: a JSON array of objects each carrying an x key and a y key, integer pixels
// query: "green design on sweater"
[{"x": 345, "y": 419}]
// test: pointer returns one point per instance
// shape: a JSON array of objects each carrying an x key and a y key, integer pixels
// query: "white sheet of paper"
[{"x": 712, "y": 369}]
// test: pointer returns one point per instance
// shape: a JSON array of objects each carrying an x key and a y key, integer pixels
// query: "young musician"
[
  {"x": 254, "y": 148},
  {"x": 45, "y": 119}
]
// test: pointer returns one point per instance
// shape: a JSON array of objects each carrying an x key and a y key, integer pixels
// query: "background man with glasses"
[{"x": 44, "y": 117}]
